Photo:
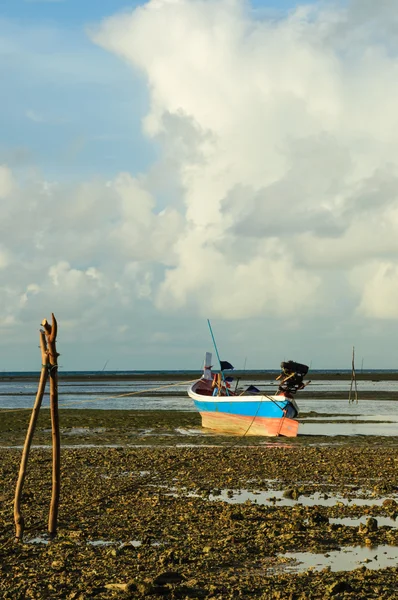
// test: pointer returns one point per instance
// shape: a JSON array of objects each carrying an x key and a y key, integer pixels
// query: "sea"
[{"x": 167, "y": 390}]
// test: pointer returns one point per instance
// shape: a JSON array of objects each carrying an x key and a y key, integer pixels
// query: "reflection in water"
[
  {"x": 81, "y": 430},
  {"x": 37, "y": 540},
  {"x": 98, "y": 393},
  {"x": 332, "y": 429},
  {"x": 276, "y": 497},
  {"x": 356, "y": 418},
  {"x": 346, "y": 559},
  {"x": 101, "y": 543},
  {"x": 134, "y": 543},
  {"x": 351, "y": 522}
]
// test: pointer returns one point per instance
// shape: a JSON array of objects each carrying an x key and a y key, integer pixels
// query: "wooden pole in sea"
[
  {"x": 18, "y": 517},
  {"x": 353, "y": 380},
  {"x": 51, "y": 334},
  {"x": 356, "y": 388}
]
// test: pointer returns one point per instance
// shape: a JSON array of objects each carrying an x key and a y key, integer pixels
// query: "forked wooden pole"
[
  {"x": 51, "y": 333},
  {"x": 18, "y": 517}
]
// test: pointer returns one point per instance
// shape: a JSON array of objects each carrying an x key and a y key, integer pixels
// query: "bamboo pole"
[
  {"x": 353, "y": 395},
  {"x": 51, "y": 333},
  {"x": 18, "y": 517}
]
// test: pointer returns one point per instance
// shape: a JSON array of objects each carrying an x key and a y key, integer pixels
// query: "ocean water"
[{"x": 377, "y": 415}]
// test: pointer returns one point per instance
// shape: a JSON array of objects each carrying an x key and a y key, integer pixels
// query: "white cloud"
[
  {"x": 6, "y": 181},
  {"x": 284, "y": 140},
  {"x": 4, "y": 258},
  {"x": 86, "y": 250},
  {"x": 378, "y": 286},
  {"x": 275, "y": 193},
  {"x": 34, "y": 116}
]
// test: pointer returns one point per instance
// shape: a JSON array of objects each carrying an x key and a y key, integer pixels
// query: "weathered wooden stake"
[
  {"x": 18, "y": 517},
  {"x": 352, "y": 397},
  {"x": 51, "y": 333}
]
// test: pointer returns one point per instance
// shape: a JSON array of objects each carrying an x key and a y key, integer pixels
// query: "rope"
[
  {"x": 281, "y": 423},
  {"x": 258, "y": 408}
]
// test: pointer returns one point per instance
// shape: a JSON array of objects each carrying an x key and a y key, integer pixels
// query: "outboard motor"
[{"x": 292, "y": 376}]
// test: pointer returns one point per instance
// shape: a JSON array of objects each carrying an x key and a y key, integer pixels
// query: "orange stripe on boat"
[{"x": 243, "y": 425}]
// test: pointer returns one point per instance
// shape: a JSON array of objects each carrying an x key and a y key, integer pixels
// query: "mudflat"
[{"x": 152, "y": 508}]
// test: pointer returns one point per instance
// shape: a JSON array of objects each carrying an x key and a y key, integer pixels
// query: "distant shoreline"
[{"x": 382, "y": 375}]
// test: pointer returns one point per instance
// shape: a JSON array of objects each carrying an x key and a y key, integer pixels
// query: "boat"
[{"x": 248, "y": 411}]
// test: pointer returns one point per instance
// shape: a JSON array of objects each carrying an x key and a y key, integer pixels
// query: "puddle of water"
[
  {"x": 133, "y": 473},
  {"x": 70, "y": 446},
  {"x": 183, "y": 431},
  {"x": 333, "y": 429},
  {"x": 276, "y": 497},
  {"x": 346, "y": 559},
  {"x": 82, "y": 430},
  {"x": 356, "y": 418},
  {"x": 381, "y": 521},
  {"x": 102, "y": 543},
  {"x": 37, "y": 540},
  {"x": 134, "y": 543}
]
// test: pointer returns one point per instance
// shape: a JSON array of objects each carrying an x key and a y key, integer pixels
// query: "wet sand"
[
  {"x": 168, "y": 427},
  {"x": 197, "y": 517}
]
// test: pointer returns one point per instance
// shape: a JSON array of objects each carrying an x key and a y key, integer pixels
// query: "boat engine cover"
[{"x": 294, "y": 367}]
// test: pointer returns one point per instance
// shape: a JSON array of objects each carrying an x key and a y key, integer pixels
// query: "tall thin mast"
[{"x": 218, "y": 356}]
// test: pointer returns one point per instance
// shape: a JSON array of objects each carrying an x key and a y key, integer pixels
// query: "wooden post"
[
  {"x": 18, "y": 517},
  {"x": 353, "y": 386},
  {"x": 51, "y": 333}
]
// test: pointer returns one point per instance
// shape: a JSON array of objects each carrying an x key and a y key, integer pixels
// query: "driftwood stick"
[
  {"x": 18, "y": 517},
  {"x": 51, "y": 333}
]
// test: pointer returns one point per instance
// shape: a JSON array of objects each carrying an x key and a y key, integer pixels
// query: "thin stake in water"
[{"x": 353, "y": 395}]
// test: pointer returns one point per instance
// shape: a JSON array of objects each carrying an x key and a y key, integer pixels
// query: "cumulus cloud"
[
  {"x": 379, "y": 290},
  {"x": 6, "y": 181},
  {"x": 276, "y": 188},
  {"x": 284, "y": 134},
  {"x": 88, "y": 249}
]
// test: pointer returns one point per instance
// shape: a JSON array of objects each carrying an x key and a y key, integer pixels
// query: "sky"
[{"x": 173, "y": 161}]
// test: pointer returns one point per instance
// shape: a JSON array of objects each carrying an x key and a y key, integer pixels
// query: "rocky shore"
[{"x": 198, "y": 517}]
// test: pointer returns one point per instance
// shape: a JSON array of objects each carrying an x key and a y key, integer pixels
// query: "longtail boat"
[{"x": 248, "y": 411}]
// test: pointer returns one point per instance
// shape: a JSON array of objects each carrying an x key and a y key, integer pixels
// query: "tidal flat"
[{"x": 152, "y": 507}]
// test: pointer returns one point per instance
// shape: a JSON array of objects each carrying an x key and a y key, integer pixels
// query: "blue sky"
[
  {"x": 75, "y": 12},
  {"x": 69, "y": 106}
]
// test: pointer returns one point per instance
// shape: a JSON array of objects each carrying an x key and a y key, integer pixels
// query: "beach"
[
  {"x": 168, "y": 521},
  {"x": 153, "y": 506}
]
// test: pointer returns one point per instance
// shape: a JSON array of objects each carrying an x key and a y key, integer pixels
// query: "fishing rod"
[{"x": 218, "y": 356}]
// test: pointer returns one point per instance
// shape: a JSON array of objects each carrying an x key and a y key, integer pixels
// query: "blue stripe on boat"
[{"x": 259, "y": 408}]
